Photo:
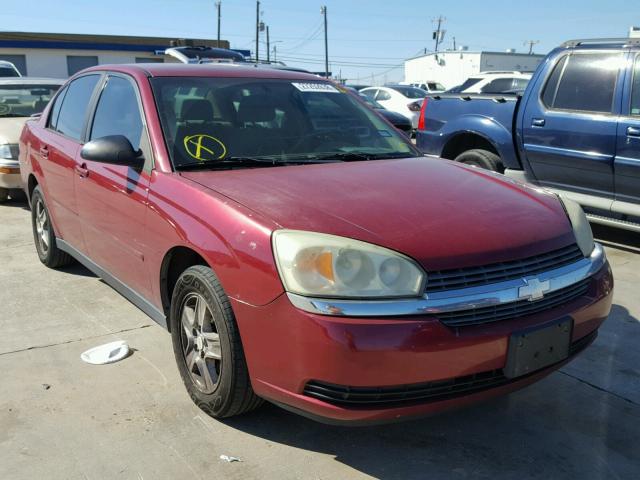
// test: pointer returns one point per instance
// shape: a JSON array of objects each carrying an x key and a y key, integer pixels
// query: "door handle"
[
  {"x": 633, "y": 132},
  {"x": 44, "y": 151},
  {"x": 537, "y": 122},
  {"x": 82, "y": 170}
]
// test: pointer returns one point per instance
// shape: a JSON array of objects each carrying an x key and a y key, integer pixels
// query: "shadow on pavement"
[
  {"x": 617, "y": 238},
  {"x": 16, "y": 203}
]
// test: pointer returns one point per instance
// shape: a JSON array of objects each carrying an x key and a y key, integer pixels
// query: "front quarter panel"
[{"x": 234, "y": 241}]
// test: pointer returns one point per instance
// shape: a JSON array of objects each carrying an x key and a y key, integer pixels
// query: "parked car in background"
[
  {"x": 401, "y": 122},
  {"x": 20, "y": 97},
  {"x": 401, "y": 99},
  {"x": 357, "y": 87},
  {"x": 302, "y": 251},
  {"x": 8, "y": 69},
  {"x": 430, "y": 87},
  {"x": 576, "y": 129},
  {"x": 494, "y": 82}
]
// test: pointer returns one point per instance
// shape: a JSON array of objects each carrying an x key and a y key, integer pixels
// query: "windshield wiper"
[
  {"x": 229, "y": 162},
  {"x": 360, "y": 156}
]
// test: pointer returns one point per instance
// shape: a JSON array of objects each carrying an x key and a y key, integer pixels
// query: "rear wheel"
[
  {"x": 480, "y": 158},
  {"x": 207, "y": 346},
  {"x": 44, "y": 235}
]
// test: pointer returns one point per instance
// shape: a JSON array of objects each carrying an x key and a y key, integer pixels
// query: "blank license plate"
[{"x": 537, "y": 348}]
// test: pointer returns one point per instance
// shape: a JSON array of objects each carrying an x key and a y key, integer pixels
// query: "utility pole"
[
  {"x": 257, "y": 31},
  {"x": 437, "y": 34},
  {"x": 531, "y": 43},
  {"x": 275, "y": 53},
  {"x": 323, "y": 11},
  {"x": 218, "y": 5},
  {"x": 454, "y": 43},
  {"x": 268, "y": 47}
]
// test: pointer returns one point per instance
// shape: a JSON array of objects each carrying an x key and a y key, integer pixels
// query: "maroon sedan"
[{"x": 300, "y": 250}]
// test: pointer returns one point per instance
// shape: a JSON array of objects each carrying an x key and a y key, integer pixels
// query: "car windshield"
[
  {"x": 435, "y": 86},
  {"x": 468, "y": 83},
  {"x": 24, "y": 100},
  {"x": 212, "y": 122},
  {"x": 411, "y": 92}
]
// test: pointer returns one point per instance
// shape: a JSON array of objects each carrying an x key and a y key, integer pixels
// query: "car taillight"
[
  {"x": 421, "y": 118},
  {"x": 415, "y": 106}
]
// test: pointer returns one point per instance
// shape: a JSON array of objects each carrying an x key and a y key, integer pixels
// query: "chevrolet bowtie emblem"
[{"x": 533, "y": 289}]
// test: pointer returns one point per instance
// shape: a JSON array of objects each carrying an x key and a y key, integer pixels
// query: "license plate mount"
[{"x": 538, "y": 347}]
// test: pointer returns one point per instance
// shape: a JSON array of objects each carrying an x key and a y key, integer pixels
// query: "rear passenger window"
[
  {"x": 74, "y": 106},
  {"x": 55, "y": 110},
  {"x": 117, "y": 112},
  {"x": 588, "y": 83},
  {"x": 635, "y": 89}
]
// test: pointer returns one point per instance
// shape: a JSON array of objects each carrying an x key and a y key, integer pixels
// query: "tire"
[
  {"x": 43, "y": 234},
  {"x": 4, "y": 195},
  {"x": 481, "y": 158},
  {"x": 207, "y": 346}
]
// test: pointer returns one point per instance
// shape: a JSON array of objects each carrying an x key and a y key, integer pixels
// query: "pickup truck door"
[
  {"x": 627, "y": 161},
  {"x": 112, "y": 199},
  {"x": 569, "y": 129},
  {"x": 60, "y": 142}
]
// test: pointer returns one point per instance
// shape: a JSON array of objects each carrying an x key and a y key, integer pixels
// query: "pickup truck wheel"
[
  {"x": 207, "y": 346},
  {"x": 44, "y": 235},
  {"x": 480, "y": 158},
  {"x": 4, "y": 195}
]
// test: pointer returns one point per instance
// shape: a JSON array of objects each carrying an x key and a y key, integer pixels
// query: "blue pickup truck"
[{"x": 575, "y": 129}]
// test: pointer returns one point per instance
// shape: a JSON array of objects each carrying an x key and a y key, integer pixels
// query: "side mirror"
[{"x": 115, "y": 149}]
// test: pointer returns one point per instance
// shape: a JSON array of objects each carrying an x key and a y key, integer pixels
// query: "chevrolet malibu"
[{"x": 300, "y": 250}]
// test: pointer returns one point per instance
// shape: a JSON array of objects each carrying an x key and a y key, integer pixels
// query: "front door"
[
  {"x": 112, "y": 199},
  {"x": 569, "y": 131},
  {"x": 627, "y": 162}
]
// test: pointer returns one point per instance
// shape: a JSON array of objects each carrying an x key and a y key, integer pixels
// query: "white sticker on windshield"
[{"x": 315, "y": 87}]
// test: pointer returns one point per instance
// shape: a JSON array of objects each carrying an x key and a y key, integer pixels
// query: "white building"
[
  {"x": 452, "y": 67},
  {"x": 61, "y": 55}
]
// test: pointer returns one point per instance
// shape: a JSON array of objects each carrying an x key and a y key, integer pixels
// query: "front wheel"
[{"x": 207, "y": 346}]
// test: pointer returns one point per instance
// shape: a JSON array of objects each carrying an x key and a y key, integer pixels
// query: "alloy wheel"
[
  {"x": 200, "y": 343},
  {"x": 42, "y": 227}
]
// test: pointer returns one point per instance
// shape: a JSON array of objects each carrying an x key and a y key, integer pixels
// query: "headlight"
[
  {"x": 5, "y": 151},
  {"x": 317, "y": 264},
  {"x": 581, "y": 227}
]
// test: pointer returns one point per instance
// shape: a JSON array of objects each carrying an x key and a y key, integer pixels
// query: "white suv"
[{"x": 494, "y": 82}]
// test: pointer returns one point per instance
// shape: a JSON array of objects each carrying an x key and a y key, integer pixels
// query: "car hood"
[
  {"x": 443, "y": 214},
  {"x": 10, "y": 129}
]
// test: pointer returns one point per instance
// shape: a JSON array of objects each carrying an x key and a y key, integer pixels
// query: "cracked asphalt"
[{"x": 63, "y": 419}]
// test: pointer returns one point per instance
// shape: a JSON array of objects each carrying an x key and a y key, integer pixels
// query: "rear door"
[
  {"x": 569, "y": 130},
  {"x": 60, "y": 143},
  {"x": 112, "y": 198},
  {"x": 627, "y": 162}
]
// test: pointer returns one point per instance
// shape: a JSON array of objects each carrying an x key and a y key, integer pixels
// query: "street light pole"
[
  {"x": 268, "y": 46},
  {"x": 323, "y": 11},
  {"x": 218, "y": 5},
  {"x": 257, "y": 31}
]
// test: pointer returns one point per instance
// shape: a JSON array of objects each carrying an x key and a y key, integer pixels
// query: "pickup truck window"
[
  {"x": 587, "y": 83},
  {"x": 215, "y": 121},
  {"x": 117, "y": 112},
  {"x": 73, "y": 111},
  {"x": 635, "y": 89}
]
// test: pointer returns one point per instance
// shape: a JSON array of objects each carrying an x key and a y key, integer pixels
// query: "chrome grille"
[
  {"x": 508, "y": 311},
  {"x": 499, "y": 272}
]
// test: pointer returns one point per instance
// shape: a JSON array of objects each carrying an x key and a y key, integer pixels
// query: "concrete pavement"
[{"x": 63, "y": 419}]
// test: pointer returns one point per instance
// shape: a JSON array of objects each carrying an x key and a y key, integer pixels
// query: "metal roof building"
[{"x": 60, "y": 55}]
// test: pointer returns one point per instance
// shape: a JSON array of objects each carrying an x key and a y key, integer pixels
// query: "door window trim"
[
  {"x": 149, "y": 163},
  {"x": 547, "y": 108},
  {"x": 632, "y": 65}
]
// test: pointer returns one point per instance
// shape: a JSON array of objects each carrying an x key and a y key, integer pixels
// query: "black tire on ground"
[
  {"x": 481, "y": 158},
  {"x": 43, "y": 234},
  {"x": 4, "y": 195},
  {"x": 215, "y": 351}
]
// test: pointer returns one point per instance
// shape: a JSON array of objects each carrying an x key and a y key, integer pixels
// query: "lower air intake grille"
[
  {"x": 508, "y": 311},
  {"x": 419, "y": 393}
]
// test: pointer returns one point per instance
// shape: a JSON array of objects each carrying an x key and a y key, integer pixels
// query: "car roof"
[
  {"x": 30, "y": 81},
  {"x": 230, "y": 70}
]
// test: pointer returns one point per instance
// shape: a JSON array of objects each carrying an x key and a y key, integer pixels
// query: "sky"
[{"x": 368, "y": 39}]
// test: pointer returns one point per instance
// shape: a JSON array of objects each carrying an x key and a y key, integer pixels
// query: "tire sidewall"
[
  {"x": 37, "y": 196},
  {"x": 480, "y": 159},
  {"x": 192, "y": 281}
]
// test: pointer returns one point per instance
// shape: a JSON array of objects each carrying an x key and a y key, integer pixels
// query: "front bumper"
[{"x": 288, "y": 349}]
